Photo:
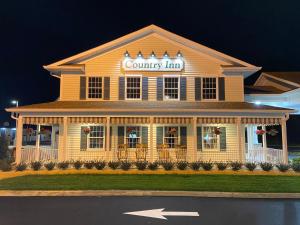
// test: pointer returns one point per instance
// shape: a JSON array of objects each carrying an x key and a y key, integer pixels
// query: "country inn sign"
[{"x": 150, "y": 95}]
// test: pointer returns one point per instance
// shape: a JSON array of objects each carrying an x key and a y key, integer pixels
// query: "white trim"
[
  {"x": 125, "y": 134},
  {"x": 104, "y": 138},
  {"x": 217, "y": 90},
  {"x": 218, "y": 149},
  {"x": 178, "y": 131},
  {"x": 171, "y": 76},
  {"x": 141, "y": 86},
  {"x": 87, "y": 88}
]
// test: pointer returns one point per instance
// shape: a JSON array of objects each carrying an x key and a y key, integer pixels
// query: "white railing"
[
  {"x": 265, "y": 155},
  {"x": 45, "y": 153}
]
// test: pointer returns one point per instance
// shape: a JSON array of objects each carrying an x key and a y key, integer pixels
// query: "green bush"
[
  {"x": 195, "y": 165},
  {"x": 89, "y": 165},
  {"x": 251, "y": 166},
  {"x": 153, "y": 166},
  {"x": 5, "y": 165},
  {"x": 77, "y": 164},
  {"x": 141, "y": 165},
  {"x": 296, "y": 160},
  {"x": 266, "y": 166},
  {"x": 296, "y": 167},
  {"x": 283, "y": 167},
  {"x": 222, "y": 165},
  {"x": 182, "y": 165},
  {"x": 63, "y": 165},
  {"x": 125, "y": 165},
  {"x": 207, "y": 165},
  {"x": 168, "y": 165},
  {"x": 36, "y": 165},
  {"x": 49, "y": 165},
  {"x": 114, "y": 165},
  {"x": 236, "y": 166},
  {"x": 21, "y": 166},
  {"x": 100, "y": 165}
]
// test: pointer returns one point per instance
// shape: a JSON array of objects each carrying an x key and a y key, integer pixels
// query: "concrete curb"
[{"x": 99, "y": 193}]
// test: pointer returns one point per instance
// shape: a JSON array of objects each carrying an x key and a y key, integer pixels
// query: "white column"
[
  {"x": 194, "y": 126},
  {"x": 151, "y": 139},
  {"x": 264, "y": 138},
  {"x": 107, "y": 138},
  {"x": 65, "y": 139},
  {"x": 37, "y": 143},
  {"x": 19, "y": 137},
  {"x": 249, "y": 136},
  {"x": 241, "y": 145},
  {"x": 53, "y": 138},
  {"x": 284, "y": 140}
]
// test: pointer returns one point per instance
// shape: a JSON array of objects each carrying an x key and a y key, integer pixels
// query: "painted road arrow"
[{"x": 160, "y": 213}]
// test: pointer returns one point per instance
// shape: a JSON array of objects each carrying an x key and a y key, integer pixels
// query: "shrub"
[
  {"x": 36, "y": 165},
  {"x": 49, "y": 165},
  {"x": 153, "y": 166},
  {"x": 89, "y": 165},
  {"x": 266, "y": 166},
  {"x": 77, "y": 164},
  {"x": 114, "y": 165},
  {"x": 125, "y": 165},
  {"x": 168, "y": 165},
  {"x": 283, "y": 167},
  {"x": 296, "y": 167},
  {"x": 21, "y": 166},
  {"x": 251, "y": 166},
  {"x": 5, "y": 165},
  {"x": 236, "y": 166},
  {"x": 182, "y": 165},
  {"x": 296, "y": 160},
  {"x": 195, "y": 165},
  {"x": 100, "y": 165},
  {"x": 141, "y": 165},
  {"x": 207, "y": 165},
  {"x": 63, "y": 165},
  {"x": 222, "y": 165}
]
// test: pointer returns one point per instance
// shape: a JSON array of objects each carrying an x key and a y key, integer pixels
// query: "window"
[
  {"x": 96, "y": 137},
  {"x": 133, "y": 87},
  {"x": 171, "y": 136},
  {"x": 133, "y": 136},
  {"x": 210, "y": 139},
  {"x": 171, "y": 88},
  {"x": 209, "y": 88},
  {"x": 95, "y": 87}
]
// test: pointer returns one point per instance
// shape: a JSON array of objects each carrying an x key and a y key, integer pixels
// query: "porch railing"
[
  {"x": 44, "y": 153},
  {"x": 265, "y": 155}
]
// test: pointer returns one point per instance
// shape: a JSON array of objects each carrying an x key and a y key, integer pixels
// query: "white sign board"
[{"x": 153, "y": 64}]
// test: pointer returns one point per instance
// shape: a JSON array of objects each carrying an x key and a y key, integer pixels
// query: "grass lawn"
[{"x": 226, "y": 183}]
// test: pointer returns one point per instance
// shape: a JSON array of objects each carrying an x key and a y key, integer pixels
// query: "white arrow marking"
[{"x": 159, "y": 213}]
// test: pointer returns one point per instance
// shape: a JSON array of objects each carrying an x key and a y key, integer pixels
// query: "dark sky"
[{"x": 35, "y": 33}]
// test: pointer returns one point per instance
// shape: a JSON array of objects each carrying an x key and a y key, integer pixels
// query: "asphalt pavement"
[{"x": 163, "y": 210}]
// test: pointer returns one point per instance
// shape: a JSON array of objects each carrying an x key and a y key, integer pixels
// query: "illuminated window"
[
  {"x": 209, "y": 138},
  {"x": 132, "y": 136},
  {"x": 209, "y": 88},
  {"x": 96, "y": 137},
  {"x": 133, "y": 87},
  {"x": 95, "y": 87},
  {"x": 171, "y": 136},
  {"x": 171, "y": 87}
]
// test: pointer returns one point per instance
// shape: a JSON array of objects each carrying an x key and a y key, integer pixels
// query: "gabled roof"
[
  {"x": 237, "y": 64},
  {"x": 262, "y": 90},
  {"x": 293, "y": 77}
]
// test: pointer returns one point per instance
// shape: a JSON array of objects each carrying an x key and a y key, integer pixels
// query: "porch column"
[
  {"x": 53, "y": 138},
  {"x": 107, "y": 137},
  {"x": 19, "y": 137},
  {"x": 37, "y": 143},
  {"x": 151, "y": 139},
  {"x": 284, "y": 140},
  {"x": 63, "y": 155},
  {"x": 240, "y": 135},
  {"x": 264, "y": 138},
  {"x": 194, "y": 126}
]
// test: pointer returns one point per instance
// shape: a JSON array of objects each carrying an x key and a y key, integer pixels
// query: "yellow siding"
[
  {"x": 152, "y": 89},
  {"x": 69, "y": 87},
  {"x": 190, "y": 89},
  {"x": 234, "y": 88}
]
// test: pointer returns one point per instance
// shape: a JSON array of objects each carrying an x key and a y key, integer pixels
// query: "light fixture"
[
  {"x": 257, "y": 102},
  {"x": 15, "y": 102},
  {"x": 126, "y": 54},
  {"x": 166, "y": 54},
  {"x": 179, "y": 54},
  {"x": 140, "y": 55},
  {"x": 153, "y": 54}
]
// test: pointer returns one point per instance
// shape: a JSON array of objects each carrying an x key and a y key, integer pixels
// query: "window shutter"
[
  {"x": 145, "y": 135},
  {"x": 145, "y": 88},
  {"x": 183, "y": 136},
  {"x": 121, "y": 88},
  {"x": 198, "y": 88},
  {"x": 221, "y": 88},
  {"x": 223, "y": 139},
  {"x": 199, "y": 138},
  {"x": 182, "y": 88},
  {"x": 106, "y": 88},
  {"x": 159, "y": 88},
  {"x": 159, "y": 135},
  {"x": 83, "y": 139},
  {"x": 110, "y": 138},
  {"x": 121, "y": 133},
  {"x": 82, "y": 94}
]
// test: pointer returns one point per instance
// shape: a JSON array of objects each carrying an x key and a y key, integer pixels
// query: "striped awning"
[
  {"x": 206, "y": 120},
  {"x": 262, "y": 121},
  {"x": 42, "y": 120},
  {"x": 98, "y": 120},
  {"x": 130, "y": 120},
  {"x": 174, "y": 120}
]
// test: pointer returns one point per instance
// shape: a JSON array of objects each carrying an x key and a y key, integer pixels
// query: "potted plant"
[
  {"x": 217, "y": 131},
  {"x": 260, "y": 132},
  {"x": 86, "y": 130}
]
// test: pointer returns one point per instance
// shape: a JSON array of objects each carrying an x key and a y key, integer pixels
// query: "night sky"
[{"x": 36, "y": 33}]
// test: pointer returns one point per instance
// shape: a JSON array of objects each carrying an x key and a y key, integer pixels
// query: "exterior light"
[
  {"x": 179, "y": 54},
  {"x": 257, "y": 103},
  {"x": 15, "y": 102},
  {"x": 126, "y": 54},
  {"x": 166, "y": 54},
  {"x": 140, "y": 55},
  {"x": 153, "y": 54}
]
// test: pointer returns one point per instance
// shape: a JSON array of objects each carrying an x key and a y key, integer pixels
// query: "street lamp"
[{"x": 15, "y": 102}]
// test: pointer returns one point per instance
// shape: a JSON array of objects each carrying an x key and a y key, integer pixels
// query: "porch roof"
[{"x": 146, "y": 106}]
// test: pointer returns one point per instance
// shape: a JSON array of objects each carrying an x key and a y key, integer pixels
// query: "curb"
[{"x": 99, "y": 193}]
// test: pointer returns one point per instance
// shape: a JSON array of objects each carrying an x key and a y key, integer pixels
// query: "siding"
[
  {"x": 152, "y": 88},
  {"x": 234, "y": 89},
  {"x": 69, "y": 87},
  {"x": 190, "y": 89}
]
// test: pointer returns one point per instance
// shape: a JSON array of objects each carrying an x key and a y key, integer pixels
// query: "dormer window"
[
  {"x": 171, "y": 88},
  {"x": 95, "y": 87},
  {"x": 133, "y": 87},
  {"x": 209, "y": 88}
]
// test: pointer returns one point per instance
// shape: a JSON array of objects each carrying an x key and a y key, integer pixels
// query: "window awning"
[
  {"x": 128, "y": 120},
  {"x": 87, "y": 120},
  {"x": 42, "y": 120},
  {"x": 205, "y": 120},
  {"x": 261, "y": 121}
]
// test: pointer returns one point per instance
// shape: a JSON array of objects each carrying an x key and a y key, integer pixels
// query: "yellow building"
[{"x": 150, "y": 95}]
